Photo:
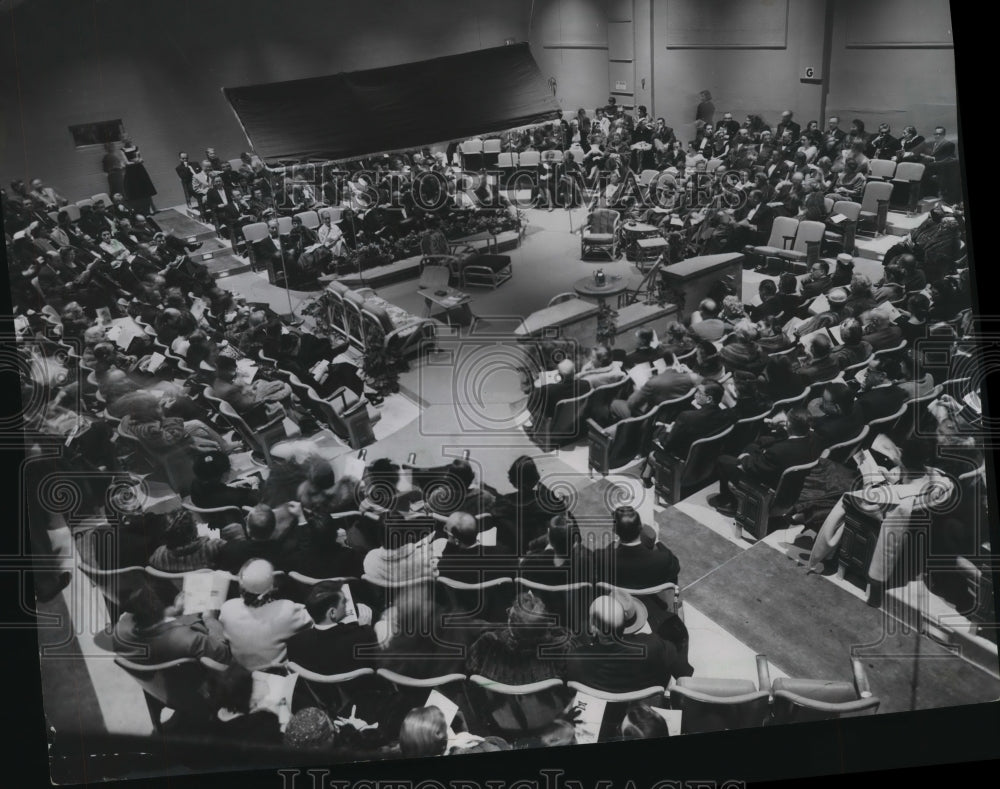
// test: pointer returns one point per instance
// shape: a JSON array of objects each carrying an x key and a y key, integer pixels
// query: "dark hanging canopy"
[{"x": 348, "y": 115}]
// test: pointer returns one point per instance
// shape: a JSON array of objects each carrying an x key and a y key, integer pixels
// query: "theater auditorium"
[{"x": 420, "y": 379}]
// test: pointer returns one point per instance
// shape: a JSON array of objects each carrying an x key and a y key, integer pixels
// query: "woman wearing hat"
[
  {"x": 257, "y": 624},
  {"x": 518, "y": 654}
]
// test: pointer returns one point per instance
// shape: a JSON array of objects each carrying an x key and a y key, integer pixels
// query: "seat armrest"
[
  {"x": 861, "y": 679},
  {"x": 763, "y": 673}
]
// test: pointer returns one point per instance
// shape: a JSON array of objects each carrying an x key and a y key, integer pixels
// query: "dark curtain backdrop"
[{"x": 353, "y": 114}]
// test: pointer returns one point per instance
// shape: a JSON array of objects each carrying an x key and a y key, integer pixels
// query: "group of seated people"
[
  {"x": 756, "y": 175},
  {"x": 386, "y": 201},
  {"x": 393, "y": 530},
  {"x": 188, "y": 337},
  {"x": 379, "y": 201},
  {"x": 383, "y": 541},
  {"x": 851, "y": 344}
]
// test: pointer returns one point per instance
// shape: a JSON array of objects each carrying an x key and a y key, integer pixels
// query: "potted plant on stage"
[
  {"x": 381, "y": 367},
  {"x": 607, "y": 324}
]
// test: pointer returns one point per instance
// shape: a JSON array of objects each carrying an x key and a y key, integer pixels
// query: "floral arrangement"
[
  {"x": 382, "y": 367},
  {"x": 607, "y": 324},
  {"x": 319, "y": 310},
  {"x": 488, "y": 221}
]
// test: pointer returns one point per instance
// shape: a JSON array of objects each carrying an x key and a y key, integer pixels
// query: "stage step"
[
  {"x": 225, "y": 264},
  {"x": 875, "y": 248},
  {"x": 901, "y": 224},
  {"x": 408, "y": 268}
]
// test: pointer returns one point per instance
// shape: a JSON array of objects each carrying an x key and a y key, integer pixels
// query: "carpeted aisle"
[
  {"x": 809, "y": 627},
  {"x": 700, "y": 550}
]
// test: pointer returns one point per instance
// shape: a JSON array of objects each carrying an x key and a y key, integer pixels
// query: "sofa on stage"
[{"x": 367, "y": 320}]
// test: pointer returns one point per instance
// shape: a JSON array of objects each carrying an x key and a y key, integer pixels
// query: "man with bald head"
[
  {"x": 464, "y": 558},
  {"x": 261, "y": 541},
  {"x": 670, "y": 384},
  {"x": 615, "y": 660},
  {"x": 542, "y": 402},
  {"x": 788, "y": 124}
]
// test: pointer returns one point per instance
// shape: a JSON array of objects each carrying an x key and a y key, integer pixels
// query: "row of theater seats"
[{"x": 706, "y": 704}]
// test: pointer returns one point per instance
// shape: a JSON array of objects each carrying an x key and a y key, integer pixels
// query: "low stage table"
[
  {"x": 454, "y": 305},
  {"x": 689, "y": 281},
  {"x": 632, "y": 233},
  {"x": 648, "y": 250},
  {"x": 588, "y": 288}
]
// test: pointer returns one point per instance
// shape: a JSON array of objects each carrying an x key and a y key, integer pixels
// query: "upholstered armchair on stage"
[
  {"x": 436, "y": 250},
  {"x": 467, "y": 265},
  {"x": 601, "y": 233}
]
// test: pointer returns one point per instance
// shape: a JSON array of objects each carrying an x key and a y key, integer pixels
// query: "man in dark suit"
[
  {"x": 668, "y": 385},
  {"x": 632, "y": 564},
  {"x": 231, "y": 178},
  {"x": 523, "y": 516},
  {"x": 542, "y": 402},
  {"x": 335, "y": 644},
  {"x": 213, "y": 159},
  {"x": 464, "y": 558},
  {"x": 268, "y": 252},
  {"x": 941, "y": 158},
  {"x": 219, "y": 203},
  {"x": 185, "y": 171},
  {"x": 835, "y": 415},
  {"x": 833, "y": 140},
  {"x": 820, "y": 366},
  {"x": 883, "y": 145},
  {"x": 615, "y": 661},
  {"x": 787, "y": 123},
  {"x": 940, "y": 150},
  {"x": 782, "y": 305},
  {"x": 643, "y": 351},
  {"x": 706, "y": 419},
  {"x": 730, "y": 124},
  {"x": 562, "y": 559},
  {"x": 260, "y": 542},
  {"x": 754, "y": 220},
  {"x": 705, "y": 112},
  {"x": 777, "y": 169},
  {"x": 879, "y": 396},
  {"x": 340, "y": 641},
  {"x": 817, "y": 281},
  {"x": 766, "y": 459},
  {"x": 314, "y": 546}
]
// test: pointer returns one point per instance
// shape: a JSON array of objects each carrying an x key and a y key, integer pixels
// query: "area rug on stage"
[{"x": 808, "y": 627}]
